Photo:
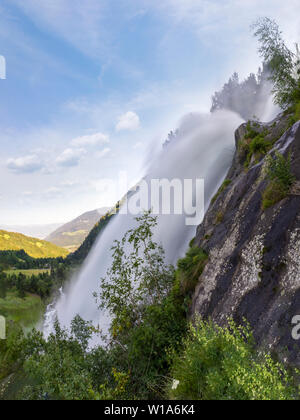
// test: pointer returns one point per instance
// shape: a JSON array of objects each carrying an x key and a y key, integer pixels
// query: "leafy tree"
[
  {"x": 58, "y": 366},
  {"x": 21, "y": 287},
  {"x": 11, "y": 350},
  {"x": 279, "y": 169},
  {"x": 282, "y": 62},
  {"x": 146, "y": 301},
  {"x": 3, "y": 285},
  {"x": 137, "y": 278},
  {"x": 147, "y": 309}
]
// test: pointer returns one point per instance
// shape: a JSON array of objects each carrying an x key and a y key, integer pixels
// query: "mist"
[{"x": 203, "y": 149}]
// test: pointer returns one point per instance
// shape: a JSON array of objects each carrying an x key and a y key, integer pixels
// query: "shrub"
[
  {"x": 222, "y": 364},
  {"x": 251, "y": 131},
  {"x": 281, "y": 177},
  {"x": 297, "y": 111},
  {"x": 147, "y": 309},
  {"x": 274, "y": 193},
  {"x": 284, "y": 68},
  {"x": 279, "y": 169},
  {"x": 11, "y": 350},
  {"x": 190, "y": 269},
  {"x": 257, "y": 146}
]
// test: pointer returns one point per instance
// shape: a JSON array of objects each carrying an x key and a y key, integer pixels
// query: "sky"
[{"x": 92, "y": 89}]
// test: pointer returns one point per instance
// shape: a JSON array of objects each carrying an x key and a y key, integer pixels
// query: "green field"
[
  {"x": 27, "y": 273},
  {"x": 27, "y": 312}
]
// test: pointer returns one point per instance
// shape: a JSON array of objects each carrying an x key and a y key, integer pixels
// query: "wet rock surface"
[{"x": 253, "y": 271}]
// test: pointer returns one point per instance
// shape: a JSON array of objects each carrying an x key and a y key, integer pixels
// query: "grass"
[
  {"x": 26, "y": 312},
  {"x": 274, "y": 193},
  {"x": 221, "y": 189},
  {"x": 190, "y": 268},
  {"x": 36, "y": 248},
  {"x": 27, "y": 273},
  {"x": 219, "y": 217},
  {"x": 77, "y": 233},
  {"x": 281, "y": 180},
  {"x": 257, "y": 147}
]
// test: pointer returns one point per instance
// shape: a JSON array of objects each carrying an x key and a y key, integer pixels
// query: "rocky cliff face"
[{"x": 253, "y": 270}]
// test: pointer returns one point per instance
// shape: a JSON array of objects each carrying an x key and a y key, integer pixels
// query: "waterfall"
[
  {"x": 51, "y": 314},
  {"x": 203, "y": 148}
]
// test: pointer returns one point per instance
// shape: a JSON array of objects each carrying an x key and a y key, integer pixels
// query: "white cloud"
[
  {"x": 208, "y": 17},
  {"x": 70, "y": 157},
  {"x": 27, "y": 193},
  {"x": 129, "y": 121},
  {"x": 138, "y": 145},
  {"x": 25, "y": 164},
  {"x": 90, "y": 140},
  {"x": 53, "y": 191},
  {"x": 103, "y": 153},
  {"x": 69, "y": 184}
]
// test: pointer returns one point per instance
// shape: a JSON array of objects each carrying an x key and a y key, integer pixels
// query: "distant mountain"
[
  {"x": 37, "y": 231},
  {"x": 34, "y": 247},
  {"x": 71, "y": 235}
]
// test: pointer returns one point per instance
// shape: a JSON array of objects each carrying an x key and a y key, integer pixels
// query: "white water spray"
[
  {"x": 203, "y": 149},
  {"x": 51, "y": 315}
]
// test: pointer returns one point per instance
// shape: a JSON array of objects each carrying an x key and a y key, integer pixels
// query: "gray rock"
[{"x": 253, "y": 271}]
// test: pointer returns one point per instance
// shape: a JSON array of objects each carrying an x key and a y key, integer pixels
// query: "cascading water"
[
  {"x": 202, "y": 149},
  {"x": 51, "y": 314}
]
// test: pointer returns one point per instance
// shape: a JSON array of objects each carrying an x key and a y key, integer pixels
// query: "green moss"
[
  {"x": 221, "y": 189},
  {"x": 266, "y": 249},
  {"x": 192, "y": 243},
  {"x": 219, "y": 217}
]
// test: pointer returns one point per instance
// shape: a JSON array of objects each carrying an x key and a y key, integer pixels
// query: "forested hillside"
[
  {"x": 34, "y": 247},
  {"x": 71, "y": 235}
]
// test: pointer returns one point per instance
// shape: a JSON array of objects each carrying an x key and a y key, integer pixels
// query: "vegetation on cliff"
[
  {"x": 152, "y": 350},
  {"x": 81, "y": 253},
  {"x": 223, "y": 364},
  {"x": 281, "y": 179},
  {"x": 283, "y": 63},
  {"x": 144, "y": 356},
  {"x": 71, "y": 235}
]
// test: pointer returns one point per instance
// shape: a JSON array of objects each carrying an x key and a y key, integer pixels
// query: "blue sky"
[{"x": 92, "y": 86}]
